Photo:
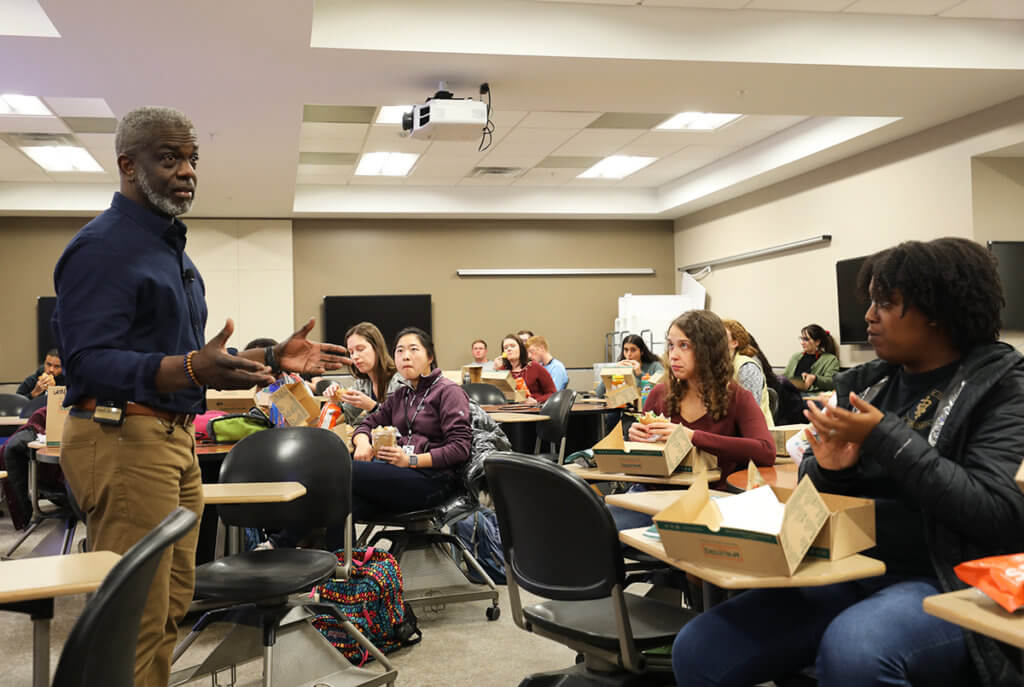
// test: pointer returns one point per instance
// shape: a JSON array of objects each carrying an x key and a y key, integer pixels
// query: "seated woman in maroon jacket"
[
  {"x": 717, "y": 414},
  {"x": 515, "y": 359}
]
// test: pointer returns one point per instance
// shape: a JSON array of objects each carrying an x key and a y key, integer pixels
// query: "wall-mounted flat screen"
[
  {"x": 391, "y": 314},
  {"x": 852, "y": 328},
  {"x": 1010, "y": 255}
]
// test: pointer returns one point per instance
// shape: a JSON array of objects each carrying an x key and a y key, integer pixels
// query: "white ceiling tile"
[
  {"x": 510, "y": 156},
  {"x": 771, "y": 123},
  {"x": 79, "y": 107},
  {"x": 487, "y": 181},
  {"x": 16, "y": 167},
  {"x": 546, "y": 177},
  {"x": 558, "y": 120},
  {"x": 16, "y": 124},
  {"x": 506, "y": 119},
  {"x": 799, "y": 5},
  {"x": 306, "y": 170},
  {"x": 428, "y": 180},
  {"x": 329, "y": 145},
  {"x": 987, "y": 9},
  {"x": 593, "y": 183},
  {"x": 386, "y": 139},
  {"x": 703, "y": 153},
  {"x": 333, "y": 131},
  {"x": 905, "y": 7},
  {"x": 97, "y": 141},
  {"x": 700, "y": 4},
  {"x": 598, "y": 141},
  {"x": 533, "y": 140}
]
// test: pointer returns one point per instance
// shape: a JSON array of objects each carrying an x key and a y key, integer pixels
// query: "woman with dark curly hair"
[{"x": 932, "y": 431}]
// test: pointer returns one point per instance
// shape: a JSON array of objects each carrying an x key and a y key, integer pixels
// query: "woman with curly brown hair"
[{"x": 717, "y": 414}]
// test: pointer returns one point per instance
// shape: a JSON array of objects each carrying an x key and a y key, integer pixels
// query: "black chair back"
[
  {"x": 316, "y": 458},
  {"x": 557, "y": 407},
  {"x": 484, "y": 394},
  {"x": 101, "y": 647},
  {"x": 322, "y": 385},
  {"x": 33, "y": 405},
  {"x": 559, "y": 539},
  {"x": 11, "y": 404}
]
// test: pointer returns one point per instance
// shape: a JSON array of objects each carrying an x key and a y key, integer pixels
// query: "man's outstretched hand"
[{"x": 299, "y": 354}]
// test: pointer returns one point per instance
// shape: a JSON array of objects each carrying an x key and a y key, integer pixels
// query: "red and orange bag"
[{"x": 1000, "y": 577}]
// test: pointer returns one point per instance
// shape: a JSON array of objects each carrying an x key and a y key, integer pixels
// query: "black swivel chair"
[
  {"x": 101, "y": 647},
  {"x": 260, "y": 582},
  {"x": 11, "y": 404},
  {"x": 578, "y": 566},
  {"x": 553, "y": 431},
  {"x": 322, "y": 385},
  {"x": 423, "y": 529},
  {"x": 484, "y": 394},
  {"x": 33, "y": 405}
]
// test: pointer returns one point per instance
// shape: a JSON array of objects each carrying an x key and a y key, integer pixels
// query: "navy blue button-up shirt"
[{"x": 128, "y": 295}]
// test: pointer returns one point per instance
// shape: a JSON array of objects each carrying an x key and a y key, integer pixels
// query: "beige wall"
[
  {"x": 368, "y": 257},
  {"x": 29, "y": 248},
  {"x": 917, "y": 188}
]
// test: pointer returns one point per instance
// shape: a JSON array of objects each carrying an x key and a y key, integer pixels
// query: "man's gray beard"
[{"x": 162, "y": 203}]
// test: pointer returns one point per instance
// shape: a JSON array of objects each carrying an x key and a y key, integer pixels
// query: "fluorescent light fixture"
[
  {"x": 555, "y": 272},
  {"x": 698, "y": 121},
  {"x": 62, "y": 158},
  {"x": 12, "y": 103},
  {"x": 392, "y": 114},
  {"x": 386, "y": 164},
  {"x": 616, "y": 167}
]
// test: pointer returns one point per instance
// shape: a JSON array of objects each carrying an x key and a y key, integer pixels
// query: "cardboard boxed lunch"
[
  {"x": 296, "y": 404},
  {"x": 619, "y": 386},
  {"x": 850, "y": 527},
  {"x": 783, "y": 433},
  {"x": 231, "y": 401},
  {"x": 56, "y": 414},
  {"x": 505, "y": 382},
  {"x": 763, "y": 531},
  {"x": 660, "y": 459}
]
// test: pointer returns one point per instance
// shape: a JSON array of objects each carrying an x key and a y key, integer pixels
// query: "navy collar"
[{"x": 161, "y": 226}]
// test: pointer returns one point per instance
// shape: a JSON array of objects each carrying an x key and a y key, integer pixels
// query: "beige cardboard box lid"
[
  {"x": 783, "y": 433},
  {"x": 231, "y": 401},
  {"x": 453, "y": 375},
  {"x": 56, "y": 414},
  {"x": 615, "y": 454},
  {"x": 850, "y": 527},
  {"x": 296, "y": 405},
  {"x": 623, "y": 394},
  {"x": 691, "y": 529},
  {"x": 504, "y": 380}
]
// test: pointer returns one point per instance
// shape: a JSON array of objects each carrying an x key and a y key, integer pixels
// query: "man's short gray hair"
[{"x": 137, "y": 127}]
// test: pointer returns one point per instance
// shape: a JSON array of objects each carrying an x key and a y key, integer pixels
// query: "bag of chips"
[{"x": 1000, "y": 577}]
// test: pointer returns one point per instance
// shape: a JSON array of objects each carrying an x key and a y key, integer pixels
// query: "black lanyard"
[{"x": 409, "y": 422}]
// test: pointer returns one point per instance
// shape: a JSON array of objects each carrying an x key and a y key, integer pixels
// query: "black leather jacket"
[{"x": 961, "y": 476}]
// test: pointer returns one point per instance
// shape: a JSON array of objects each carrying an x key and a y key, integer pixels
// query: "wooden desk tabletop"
[
  {"x": 252, "y": 492},
  {"x": 972, "y": 609},
  {"x": 519, "y": 417},
  {"x": 812, "y": 572},
  {"x": 46, "y": 577},
  {"x": 12, "y": 421},
  {"x": 785, "y": 476},
  {"x": 683, "y": 479}
]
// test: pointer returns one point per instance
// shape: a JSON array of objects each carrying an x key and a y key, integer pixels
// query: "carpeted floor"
[{"x": 460, "y": 646}]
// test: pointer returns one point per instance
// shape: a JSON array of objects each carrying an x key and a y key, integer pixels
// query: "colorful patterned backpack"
[{"x": 371, "y": 598}]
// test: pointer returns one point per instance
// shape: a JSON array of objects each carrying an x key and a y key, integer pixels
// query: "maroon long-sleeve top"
[
  {"x": 442, "y": 425},
  {"x": 537, "y": 380},
  {"x": 740, "y": 436}
]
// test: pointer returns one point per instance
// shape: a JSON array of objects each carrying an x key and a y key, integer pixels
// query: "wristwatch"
[
  {"x": 413, "y": 460},
  {"x": 270, "y": 360}
]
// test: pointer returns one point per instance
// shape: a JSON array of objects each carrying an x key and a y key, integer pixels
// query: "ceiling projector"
[{"x": 444, "y": 117}]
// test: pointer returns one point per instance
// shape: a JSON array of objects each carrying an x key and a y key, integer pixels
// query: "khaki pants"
[{"x": 127, "y": 479}]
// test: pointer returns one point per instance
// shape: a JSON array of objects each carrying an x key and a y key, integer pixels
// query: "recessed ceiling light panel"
[
  {"x": 12, "y": 103},
  {"x": 617, "y": 167},
  {"x": 62, "y": 158},
  {"x": 392, "y": 114},
  {"x": 386, "y": 164},
  {"x": 697, "y": 121}
]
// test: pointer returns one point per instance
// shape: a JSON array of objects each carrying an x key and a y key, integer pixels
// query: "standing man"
[
  {"x": 50, "y": 373},
  {"x": 130, "y": 317},
  {"x": 537, "y": 347}
]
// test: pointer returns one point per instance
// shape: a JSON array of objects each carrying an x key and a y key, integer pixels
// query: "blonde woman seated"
[{"x": 750, "y": 367}]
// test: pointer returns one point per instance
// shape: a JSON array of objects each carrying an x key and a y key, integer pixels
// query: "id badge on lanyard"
[{"x": 407, "y": 443}]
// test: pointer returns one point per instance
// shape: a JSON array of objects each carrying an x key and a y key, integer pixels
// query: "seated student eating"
[
  {"x": 515, "y": 358},
  {"x": 933, "y": 431},
  {"x": 699, "y": 394}
]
